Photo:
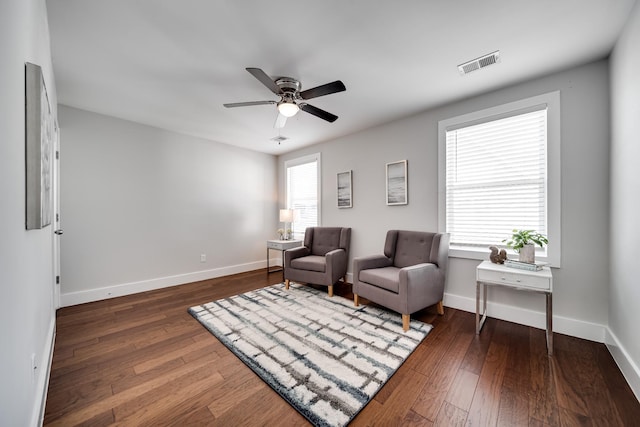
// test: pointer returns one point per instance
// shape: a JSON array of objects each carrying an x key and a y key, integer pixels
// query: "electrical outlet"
[{"x": 203, "y": 257}]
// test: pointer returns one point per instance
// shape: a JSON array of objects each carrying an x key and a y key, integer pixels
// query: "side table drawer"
[
  {"x": 283, "y": 245},
  {"x": 514, "y": 279},
  {"x": 275, "y": 245}
]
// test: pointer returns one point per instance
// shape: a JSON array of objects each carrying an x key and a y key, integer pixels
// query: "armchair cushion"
[
  {"x": 386, "y": 278},
  {"x": 310, "y": 263}
]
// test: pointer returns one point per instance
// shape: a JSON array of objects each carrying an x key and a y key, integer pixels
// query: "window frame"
[
  {"x": 316, "y": 157},
  {"x": 554, "y": 218}
]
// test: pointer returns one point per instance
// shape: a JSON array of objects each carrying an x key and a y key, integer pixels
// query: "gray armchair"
[
  {"x": 322, "y": 260},
  {"x": 409, "y": 276}
]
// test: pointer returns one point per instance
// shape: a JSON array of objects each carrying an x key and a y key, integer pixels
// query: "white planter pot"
[{"x": 527, "y": 254}]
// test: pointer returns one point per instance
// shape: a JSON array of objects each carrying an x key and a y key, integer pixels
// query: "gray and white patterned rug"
[{"x": 324, "y": 356}]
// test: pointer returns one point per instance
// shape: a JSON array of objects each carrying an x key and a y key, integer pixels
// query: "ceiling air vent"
[{"x": 476, "y": 64}]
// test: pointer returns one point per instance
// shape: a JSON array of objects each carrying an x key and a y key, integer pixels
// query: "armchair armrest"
[
  {"x": 421, "y": 285},
  {"x": 291, "y": 254},
  {"x": 336, "y": 264},
  {"x": 418, "y": 274},
  {"x": 367, "y": 262},
  {"x": 336, "y": 253}
]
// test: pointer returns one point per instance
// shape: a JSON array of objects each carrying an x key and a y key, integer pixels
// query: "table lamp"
[{"x": 286, "y": 215}]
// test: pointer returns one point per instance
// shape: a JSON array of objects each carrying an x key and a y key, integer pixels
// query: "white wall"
[
  {"x": 139, "y": 206},
  {"x": 27, "y": 317},
  {"x": 580, "y": 286},
  {"x": 624, "y": 313}
]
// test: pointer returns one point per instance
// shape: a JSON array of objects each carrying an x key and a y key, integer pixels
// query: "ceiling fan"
[{"x": 291, "y": 98}]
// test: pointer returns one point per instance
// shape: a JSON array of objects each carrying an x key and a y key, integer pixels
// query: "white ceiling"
[{"x": 172, "y": 64}]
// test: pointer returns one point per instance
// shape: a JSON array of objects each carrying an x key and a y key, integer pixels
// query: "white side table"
[
  {"x": 280, "y": 245},
  {"x": 540, "y": 281}
]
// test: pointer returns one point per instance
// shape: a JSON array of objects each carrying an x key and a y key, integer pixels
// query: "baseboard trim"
[
  {"x": 42, "y": 384},
  {"x": 113, "y": 291},
  {"x": 629, "y": 369},
  {"x": 537, "y": 319}
]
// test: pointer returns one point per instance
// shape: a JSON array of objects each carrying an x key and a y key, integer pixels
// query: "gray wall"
[
  {"x": 27, "y": 316},
  {"x": 580, "y": 286},
  {"x": 624, "y": 313},
  {"x": 139, "y": 206}
]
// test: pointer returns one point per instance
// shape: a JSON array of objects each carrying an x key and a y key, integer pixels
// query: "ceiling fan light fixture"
[{"x": 288, "y": 109}]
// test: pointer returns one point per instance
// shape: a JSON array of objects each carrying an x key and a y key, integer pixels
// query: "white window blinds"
[
  {"x": 496, "y": 178},
  {"x": 302, "y": 196}
]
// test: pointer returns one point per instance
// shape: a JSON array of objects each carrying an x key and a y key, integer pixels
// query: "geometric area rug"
[{"x": 324, "y": 356}]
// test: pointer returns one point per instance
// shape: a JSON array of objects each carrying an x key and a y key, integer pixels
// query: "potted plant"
[
  {"x": 280, "y": 232},
  {"x": 524, "y": 241}
]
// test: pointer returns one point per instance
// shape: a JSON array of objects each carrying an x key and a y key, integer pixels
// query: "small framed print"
[
  {"x": 345, "y": 199},
  {"x": 397, "y": 183}
]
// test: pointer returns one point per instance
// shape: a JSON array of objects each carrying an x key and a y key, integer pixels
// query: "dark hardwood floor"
[{"x": 143, "y": 360}]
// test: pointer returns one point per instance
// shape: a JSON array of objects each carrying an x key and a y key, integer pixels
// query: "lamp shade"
[{"x": 286, "y": 215}]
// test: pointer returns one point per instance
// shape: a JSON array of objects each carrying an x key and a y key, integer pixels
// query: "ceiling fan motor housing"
[{"x": 288, "y": 85}]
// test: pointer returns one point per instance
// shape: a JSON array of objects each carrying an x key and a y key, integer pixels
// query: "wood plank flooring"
[{"x": 143, "y": 360}]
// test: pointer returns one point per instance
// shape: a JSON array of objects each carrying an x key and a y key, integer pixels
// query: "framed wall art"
[
  {"x": 345, "y": 188},
  {"x": 397, "y": 183},
  {"x": 38, "y": 149}
]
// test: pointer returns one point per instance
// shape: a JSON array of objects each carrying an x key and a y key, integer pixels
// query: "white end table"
[
  {"x": 541, "y": 281},
  {"x": 280, "y": 245}
]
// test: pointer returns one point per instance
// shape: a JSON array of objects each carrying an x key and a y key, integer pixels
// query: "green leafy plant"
[{"x": 519, "y": 238}]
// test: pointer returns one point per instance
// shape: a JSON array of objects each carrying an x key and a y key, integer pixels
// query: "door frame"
[{"x": 56, "y": 229}]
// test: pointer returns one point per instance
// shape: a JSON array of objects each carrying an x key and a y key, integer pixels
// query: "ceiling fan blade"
[
  {"x": 280, "y": 121},
  {"x": 248, "y": 104},
  {"x": 325, "y": 115},
  {"x": 265, "y": 79},
  {"x": 326, "y": 89}
]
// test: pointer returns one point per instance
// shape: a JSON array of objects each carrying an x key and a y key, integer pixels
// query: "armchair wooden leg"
[
  {"x": 330, "y": 290},
  {"x": 355, "y": 300},
  {"x": 405, "y": 322},
  {"x": 286, "y": 284},
  {"x": 441, "y": 308}
]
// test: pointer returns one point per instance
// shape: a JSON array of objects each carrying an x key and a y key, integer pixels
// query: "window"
[
  {"x": 302, "y": 192},
  {"x": 499, "y": 170}
]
